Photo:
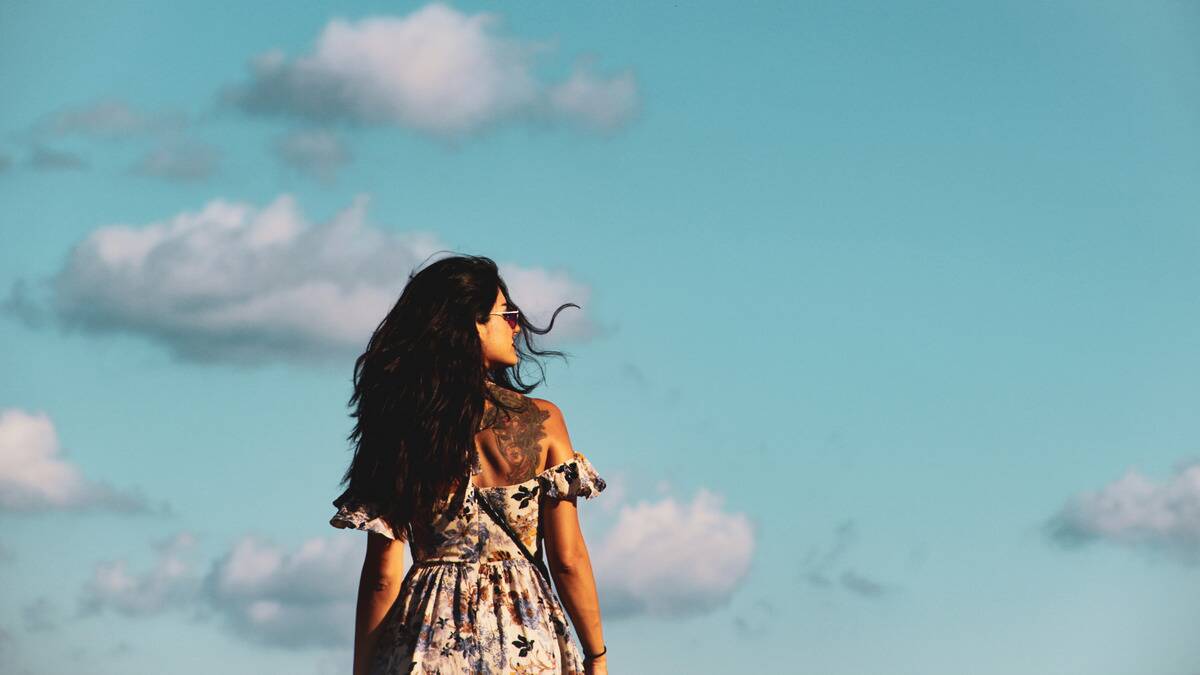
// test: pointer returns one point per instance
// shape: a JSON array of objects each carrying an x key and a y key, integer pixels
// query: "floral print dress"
[{"x": 471, "y": 602}]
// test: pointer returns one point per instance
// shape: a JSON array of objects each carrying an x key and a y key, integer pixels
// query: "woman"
[{"x": 453, "y": 457}]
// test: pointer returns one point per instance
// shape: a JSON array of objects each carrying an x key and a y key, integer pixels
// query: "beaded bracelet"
[{"x": 602, "y": 652}]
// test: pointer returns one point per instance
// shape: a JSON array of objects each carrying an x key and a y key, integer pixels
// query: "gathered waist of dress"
[{"x": 430, "y": 562}]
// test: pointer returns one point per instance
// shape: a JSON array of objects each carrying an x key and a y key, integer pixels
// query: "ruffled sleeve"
[
  {"x": 353, "y": 513},
  {"x": 573, "y": 478}
]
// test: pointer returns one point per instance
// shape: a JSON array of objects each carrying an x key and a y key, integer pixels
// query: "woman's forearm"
[
  {"x": 577, "y": 588},
  {"x": 375, "y": 597}
]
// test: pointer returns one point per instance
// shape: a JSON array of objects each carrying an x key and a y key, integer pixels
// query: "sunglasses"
[{"x": 511, "y": 317}]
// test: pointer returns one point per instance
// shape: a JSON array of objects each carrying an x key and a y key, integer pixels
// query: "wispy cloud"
[
  {"x": 819, "y": 566},
  {"x": 864, "y": 586},
  {"x": 35, "y": 476},
  {"x": 437, "y": 71},
  {"x": 44, "y": 158},
  {"x": 239, "y": 284},
  {"x": 178, "y": 161},
  {"x": 111, "y": 119},
  {"x": 672, "y": 558},
  {"x": 1137, "y": 511},
  {"x": 172, "y": 156},
  {"x": 757, "y": 620},
  {"x": 41, "y": 615},
  {"x": 603, "y": 104},
  {"x": 316, "y": 152},
  {"x": 170, "y": 583},
  {"x": 21, "y": 305}
]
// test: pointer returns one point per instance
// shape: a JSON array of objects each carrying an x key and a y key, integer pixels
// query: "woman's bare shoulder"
[
  {"x": 555, "y": 428},
  {"x": 546, "y": 407}
]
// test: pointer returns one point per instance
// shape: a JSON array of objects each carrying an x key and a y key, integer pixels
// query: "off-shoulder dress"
[{"x": 471, "y": 602}]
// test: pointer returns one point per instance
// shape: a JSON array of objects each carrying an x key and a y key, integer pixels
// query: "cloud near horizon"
[
  {"x": 169, "y": 583},
  {"x": 292, "y": 599},
  {"x": 239, "y": 284},
  {"x": 1137, "y": 511},
  {"x": 672, "y": 559},
  {"x": 35, "y": 477},
  {"x": 436, "y": 70},
  {"x": 665, "y": 559},
  {"x": 259, "y": 591}
]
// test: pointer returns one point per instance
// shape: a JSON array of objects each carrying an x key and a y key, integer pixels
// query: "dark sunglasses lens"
[{"x": 512, "y": 319}]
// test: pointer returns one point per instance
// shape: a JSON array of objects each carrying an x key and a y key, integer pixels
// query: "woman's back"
[
  {"x": 472, "y": 601},
  {"x": 513, "y": 445}
]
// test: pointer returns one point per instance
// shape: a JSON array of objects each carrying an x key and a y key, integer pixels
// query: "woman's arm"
[
  {"x": 378, "y": 586},
  {"x": 567, "y": 552}
]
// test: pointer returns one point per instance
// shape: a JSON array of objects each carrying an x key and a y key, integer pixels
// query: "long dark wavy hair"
[{"x": 420, "y": 386}]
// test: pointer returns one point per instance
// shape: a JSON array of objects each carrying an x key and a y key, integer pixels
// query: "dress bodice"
[{"x": 461, "y": 532}]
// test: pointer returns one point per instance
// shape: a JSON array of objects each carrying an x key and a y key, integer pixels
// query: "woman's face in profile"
[{"x": 497, "y": 337}]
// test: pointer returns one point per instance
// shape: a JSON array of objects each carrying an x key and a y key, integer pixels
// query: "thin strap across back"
[{"x": 503, "y": 523}]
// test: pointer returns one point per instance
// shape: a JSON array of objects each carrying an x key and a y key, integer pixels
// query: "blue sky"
[{"x": 888, "y": 348}]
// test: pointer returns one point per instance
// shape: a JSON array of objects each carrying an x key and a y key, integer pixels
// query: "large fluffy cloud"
[
  {"x": 1135, "y": 510},
  {"x": 241, "y": 284},
  {"x": 672, "y": 558},
  {"x": 436, "y": 70},
  {"x": 34, "y": 475}
]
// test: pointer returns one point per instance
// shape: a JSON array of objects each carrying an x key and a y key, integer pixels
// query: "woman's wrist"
[{"x": 597, "y": 655}]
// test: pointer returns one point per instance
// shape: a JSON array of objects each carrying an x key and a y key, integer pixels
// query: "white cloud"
[
  {"x": 288, "y": 599},
  {"x": 241, "y": 284},
  {"x": 317, "y": 152},
  {"x": 1138, "y": 511},
  {"x": 170, "y": 583},
  {"x": 669, "y": 558},
  {"x": 178, "y": 161},
  {"x": 34, "y": 476},
  {"x": 436, "y": 70}
]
